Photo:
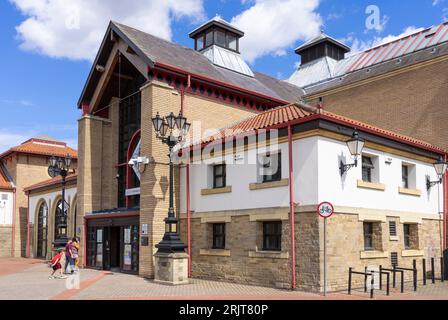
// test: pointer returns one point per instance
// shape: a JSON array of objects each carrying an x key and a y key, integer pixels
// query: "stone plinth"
[{"x": 171, "y": 268}]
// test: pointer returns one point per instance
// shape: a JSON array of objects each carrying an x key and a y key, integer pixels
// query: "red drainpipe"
[
  {"x": 187, "y": 182},
  {"x": 28, "y": 228},
  {"x": 445, "y": 207},
  {"x": 291, "y": 210},
  {"x": 13, "y": 233}
]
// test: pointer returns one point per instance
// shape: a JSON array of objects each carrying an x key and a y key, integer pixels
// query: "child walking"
[{"x": 56, "y": 265}]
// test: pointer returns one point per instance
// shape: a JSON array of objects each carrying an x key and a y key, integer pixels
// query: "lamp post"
[
  {"x": 60, "y": 167},
  {"x": 355, "y": 146},
  {"x": 165, "y": 130},
  {"x": 440, "y": 166}
]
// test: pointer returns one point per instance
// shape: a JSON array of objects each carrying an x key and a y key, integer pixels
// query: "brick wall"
[{"x": 5, "y": 241}]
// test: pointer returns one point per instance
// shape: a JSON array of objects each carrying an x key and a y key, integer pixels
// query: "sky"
[{"x": 47, "y": 46}]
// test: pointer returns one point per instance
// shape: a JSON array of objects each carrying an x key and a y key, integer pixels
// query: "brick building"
[
  {"x": 136, "y": 75},
  {"x": 24, "y": 165}
]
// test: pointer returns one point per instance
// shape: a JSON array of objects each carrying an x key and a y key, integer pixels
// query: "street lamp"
[
  {"x": 60, "y": 167},
  {"x": 440, "y": 166},
  {"x": 355, "y": 146},
  {"x": 164, "y": 128}
]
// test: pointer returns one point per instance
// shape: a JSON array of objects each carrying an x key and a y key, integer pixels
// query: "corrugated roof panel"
[
  {"x": 442, "y": 35},
  {"x": 227, "y": 59}
]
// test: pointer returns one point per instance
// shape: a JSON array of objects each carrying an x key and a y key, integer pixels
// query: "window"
[
  {"x": 368, "y": 236},
  {"x": 42, "y": 230},
  {"x": 219, "y": 176},
  {"x": 272, "y": 236},
  {"x": 392, "y": 228},
  {"x": 60, "y": 221},
  {"x": 219, "y": 236},
  {"x": 200, "y": 43},
  {"x": 220, "y": 38},
  {"x": 367, "y": 167},
  {"x": 209, "y": 38},
  {"x": 407, "y": 236},
  {"x": 231, "y": 42},
  {"x": 271, "y": 166},
  {"x": 405, "y": 176}
]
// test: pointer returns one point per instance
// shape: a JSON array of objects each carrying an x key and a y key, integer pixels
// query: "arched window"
[
  {"x": 60, "y": 221},
  {"x": 42, "y": 230}
]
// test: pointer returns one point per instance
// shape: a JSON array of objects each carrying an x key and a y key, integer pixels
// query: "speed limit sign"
[{"x": 325, "y": 209}]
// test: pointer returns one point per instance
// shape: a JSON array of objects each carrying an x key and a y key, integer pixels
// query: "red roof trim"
[{"x": 223, "y": 84}]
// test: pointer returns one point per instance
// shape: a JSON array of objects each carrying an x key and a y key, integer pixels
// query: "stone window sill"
[
  {"x": 394, "y": 238},
  {"x": 268, "y": 185},
  {"x": 410, "y": 192},
  {"x": 412, "y": 253},
  {"x": 214, "y": 252},
  {"x": 374, "y": 254},
  {"x": 269, "y": 254},
  {"x": 207, "y": 192},
  {"x": 371, "y": 185}
]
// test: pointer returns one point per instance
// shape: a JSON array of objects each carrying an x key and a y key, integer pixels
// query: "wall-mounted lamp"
[
  {"x": 440, "y": 166},
  {"x": 355, "y": 146}
]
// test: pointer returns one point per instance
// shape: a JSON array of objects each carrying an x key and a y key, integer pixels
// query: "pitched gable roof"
[
  {"x": 291, "y": 113},
  {"x": 156, "y": 51},
  {"x": 43, "y": 147},
  {"x": 322, "y": 74},
  {"x": 51, "y": 182}
]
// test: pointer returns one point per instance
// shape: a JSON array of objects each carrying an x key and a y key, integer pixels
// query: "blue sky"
[{"x": 45, "y": 63}]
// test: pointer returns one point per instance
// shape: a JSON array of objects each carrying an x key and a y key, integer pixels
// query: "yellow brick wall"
[
  {"x": 158, "y": 97},
  {"x": 412, "y": 103}
]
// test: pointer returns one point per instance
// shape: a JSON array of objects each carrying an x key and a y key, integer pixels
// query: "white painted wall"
[
  {"x": 344, "y": 191},
  {"x": 70, "y": 193},
  {"x": 6, "y": 204},
  {"x": 316, "y": 179}
]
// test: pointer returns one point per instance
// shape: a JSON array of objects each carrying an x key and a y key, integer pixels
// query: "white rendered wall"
[
  {"x": 6, "y": 207},
  {"x": 242, "y": 173},
  {"x": 49, "y": 198},
  {"x": 316, "y": 179},
  {"x": 343, "y": 191}
]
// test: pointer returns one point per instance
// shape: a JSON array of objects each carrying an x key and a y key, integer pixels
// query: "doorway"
[{"x": 113, "y": 244}]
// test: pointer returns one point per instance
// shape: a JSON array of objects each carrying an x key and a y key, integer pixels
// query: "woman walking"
[{"x": 75, "y": 252}]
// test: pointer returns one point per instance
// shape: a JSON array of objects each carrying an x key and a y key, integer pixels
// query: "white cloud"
[
  {"x": 436, "y": 2},
  {"x": 74, "y": 28},
  {"x": 9, "y": 140},
  {"x": 358, "y": 45},
  {"x": 271, "y": 26}
]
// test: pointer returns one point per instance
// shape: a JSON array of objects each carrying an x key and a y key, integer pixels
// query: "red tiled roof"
[
  {"x": 282, "y": 116},
  {"x": 43, "y": 147},
  {"x": 51, "y": 182},
  {"x": 5, "y": 184},
  {"x": 264, "y": 120}
]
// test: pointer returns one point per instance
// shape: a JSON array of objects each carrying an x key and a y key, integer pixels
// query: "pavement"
[{"x": 27, "y": 279}]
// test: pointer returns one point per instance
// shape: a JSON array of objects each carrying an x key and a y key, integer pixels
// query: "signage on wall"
[
  {"x": 144, "y": 229},
  {"x": 132, "y": 192},
  {"x": 325, "y": 210}
]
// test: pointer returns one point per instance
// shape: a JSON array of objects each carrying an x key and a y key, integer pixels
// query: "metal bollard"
[
  {"x": 414, "y": 266},
  {"x": 394, "y": 266},
  {"x": 387, "y": 283},
  {"x": 433, "y": 274},
  {"x": 381, "y": 277},
  {"x": 365, "y": 279},
  {"x": 424, "y": 271},
  {"x": 442, "y": 268},
  {"x": 350, "y": 280}
]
